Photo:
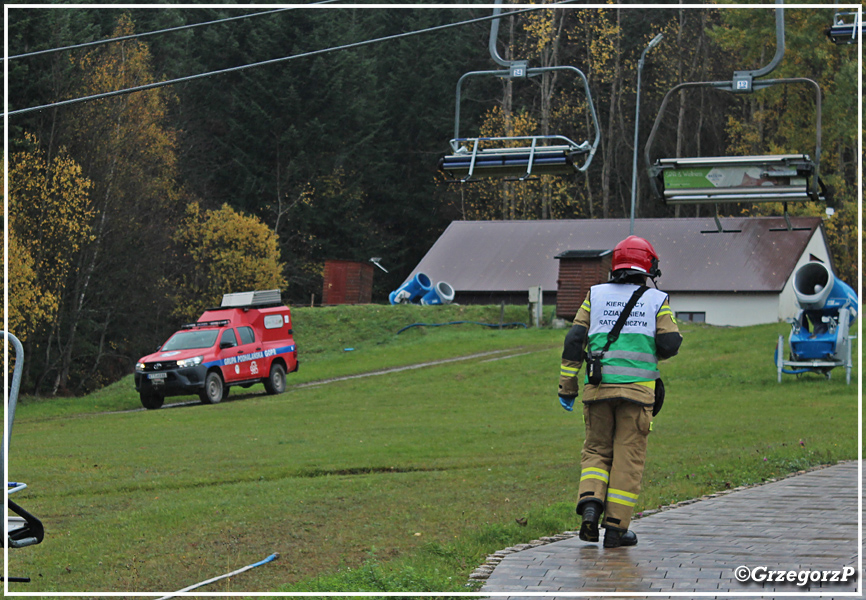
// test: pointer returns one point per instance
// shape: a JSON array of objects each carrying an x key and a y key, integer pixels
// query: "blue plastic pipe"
[{"x": 265, "y": 561}]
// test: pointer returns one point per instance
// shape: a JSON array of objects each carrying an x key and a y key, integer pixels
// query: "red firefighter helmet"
[{"x": 637, "y": 256}]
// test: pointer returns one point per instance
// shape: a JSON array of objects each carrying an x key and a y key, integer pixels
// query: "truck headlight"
[
  {"x": 190, "y": 362},
  {"x": 139, "y": 366}
]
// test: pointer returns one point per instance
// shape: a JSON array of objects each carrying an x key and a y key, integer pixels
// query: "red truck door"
[
  {"x": 251, "y": 356},
  {"x": 230, "y": 353}
]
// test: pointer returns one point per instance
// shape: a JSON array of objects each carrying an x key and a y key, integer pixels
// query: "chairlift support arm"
[
  {"x": 494, "y": 36},
  {"x": 23, "y": 529},
  {"x": 743, "y": 80},
  {"x": 13, "y": 395}
]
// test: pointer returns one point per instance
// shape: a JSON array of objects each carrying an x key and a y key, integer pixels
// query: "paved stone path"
[{"x": 807, "y": 522}]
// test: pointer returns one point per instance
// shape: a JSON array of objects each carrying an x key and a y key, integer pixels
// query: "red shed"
[
  {"x": 579, "y": 270},
  {"x": 347, "y": 282}
]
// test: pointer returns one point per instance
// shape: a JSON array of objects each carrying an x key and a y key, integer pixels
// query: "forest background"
[{"x": 129, "y": 215}]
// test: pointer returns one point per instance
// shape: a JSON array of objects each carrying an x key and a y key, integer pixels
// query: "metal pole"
[
  {"x": 653, "y": 43},
  {"x": 12, "y": 401},
  {"x": 494, "y": 35}
]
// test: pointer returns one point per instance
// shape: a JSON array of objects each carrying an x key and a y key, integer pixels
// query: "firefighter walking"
[{"x": 621, "y": 331}]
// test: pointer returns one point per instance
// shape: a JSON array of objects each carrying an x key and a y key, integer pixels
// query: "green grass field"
[{"x": 394, "y": 482}]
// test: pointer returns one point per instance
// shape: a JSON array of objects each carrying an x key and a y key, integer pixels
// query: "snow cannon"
[
  {"x": 817, "y": 289},
  {"x": 412, "y": 290},
  {"x": 442, "y": 293},
  {"x": 819, "y": 339}
]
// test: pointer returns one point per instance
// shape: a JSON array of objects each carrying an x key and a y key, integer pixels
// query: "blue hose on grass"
[
  {"x": 514, "y": 324},
  {"x": 265, "y": 561}
]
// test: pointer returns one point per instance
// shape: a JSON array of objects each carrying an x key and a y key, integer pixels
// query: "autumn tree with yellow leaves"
[
  {"x": 221, "y": 251},
  {"x": 128, "y": 151},
  {"x": 49, "y": 224}
]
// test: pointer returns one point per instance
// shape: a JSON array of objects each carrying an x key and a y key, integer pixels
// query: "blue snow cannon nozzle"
[
  {"x": 829, "y": 307},
  {"x": 412, "y": 290},
  {"x": 442, "y": 293},
  {"x": 817, "y": 289},
  {"x": 820, "y": 333}
]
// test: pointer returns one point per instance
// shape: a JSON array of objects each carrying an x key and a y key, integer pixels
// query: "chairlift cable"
[
  {"x": 273, "y": 61},
  {"x": 158, "y": 32}
]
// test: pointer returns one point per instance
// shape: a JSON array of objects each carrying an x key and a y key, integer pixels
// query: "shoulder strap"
[{"x": 613, "y": 335}]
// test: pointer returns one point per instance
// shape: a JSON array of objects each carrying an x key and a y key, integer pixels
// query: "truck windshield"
[{"x": 188, "y": 340}]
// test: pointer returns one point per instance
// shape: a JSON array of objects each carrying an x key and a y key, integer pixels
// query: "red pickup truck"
[{"x": 246, "y": 340}]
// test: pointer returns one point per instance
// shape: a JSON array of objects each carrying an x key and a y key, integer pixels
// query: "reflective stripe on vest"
[
  {"x": 639, "y": 356},
  {"x": 632, "y": 357}
]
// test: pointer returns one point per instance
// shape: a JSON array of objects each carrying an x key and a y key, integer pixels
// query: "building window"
[{"x": 694, "y": 317}]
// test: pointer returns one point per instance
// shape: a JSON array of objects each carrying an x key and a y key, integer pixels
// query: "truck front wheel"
[
  {"x": 151, "y": 400},
  {"x": 213, "y": 391},
  {"x": 276, "y": 381}
]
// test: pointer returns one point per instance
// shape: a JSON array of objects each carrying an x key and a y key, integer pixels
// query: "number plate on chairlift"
[{"x": 157, "y": 376}]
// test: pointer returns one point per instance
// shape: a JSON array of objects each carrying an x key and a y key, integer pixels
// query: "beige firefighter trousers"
[{"x": 613, "y": 456}]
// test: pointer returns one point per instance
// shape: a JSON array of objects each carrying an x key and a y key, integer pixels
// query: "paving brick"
[{"x": 698, "y": 546}]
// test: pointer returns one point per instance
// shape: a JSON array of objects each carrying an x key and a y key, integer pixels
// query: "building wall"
[
  {"x": 576, "y": 276},
  {"x": 510, "y": 298},
  {"x": 741, "y": 309},
  {"x": 729, "y": 308},
  {"x": 347, "y": 282},
  {"x": 734, "y": 308}
]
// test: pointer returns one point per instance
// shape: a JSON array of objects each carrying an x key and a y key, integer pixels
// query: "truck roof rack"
[{"x": 252, "y": 299}]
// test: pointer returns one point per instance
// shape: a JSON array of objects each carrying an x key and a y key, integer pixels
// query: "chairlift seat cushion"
[{"x": 844, "y": 34}]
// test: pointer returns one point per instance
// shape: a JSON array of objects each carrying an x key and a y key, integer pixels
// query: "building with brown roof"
[{"x": 741, "y": 278}]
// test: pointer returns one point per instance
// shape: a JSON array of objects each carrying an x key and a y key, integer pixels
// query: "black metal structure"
[
  {"x": 24, "y": 528},
  {"x": 846, "y": 28}
]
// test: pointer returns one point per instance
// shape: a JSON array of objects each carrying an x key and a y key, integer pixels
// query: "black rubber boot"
[
  {"x": 590, "y": 513},
  {"x": 614, "y": 538}
]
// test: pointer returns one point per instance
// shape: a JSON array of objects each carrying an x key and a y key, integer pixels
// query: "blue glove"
[{"x": 567, "y": 403}]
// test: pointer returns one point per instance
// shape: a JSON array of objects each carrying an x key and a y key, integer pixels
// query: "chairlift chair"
[
  {"x": 517, "y": 157},
  {"x": 24, "y": 528},
  {"x": 714, "y": 180},
  {"x": 846, "y": 28},
  {"x": 520, "y": 163}
]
